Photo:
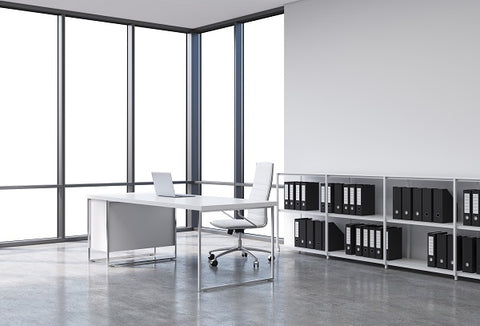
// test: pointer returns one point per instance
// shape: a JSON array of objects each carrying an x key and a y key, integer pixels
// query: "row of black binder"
[
  {"x": 422, "y": 204},
  {"x": 471, "y": 207},
  {"x": 440, "y": 252},
  {"x": 367, "y": 240},
  {"x": 351, "y": 199},
  {"x": 301, "y": 195},
  {"x": 311, "y": 234}
]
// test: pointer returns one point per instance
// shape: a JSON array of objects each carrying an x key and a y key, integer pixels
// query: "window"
[
  {"x": 217, "y": 113},
  {"x": 28, "y": 124},
  {"x": 95, "y": 111},
  {"x": 218, "y": 105},
  {"x": 96, "y": 101},
  {"x": 28, "y": 101}
]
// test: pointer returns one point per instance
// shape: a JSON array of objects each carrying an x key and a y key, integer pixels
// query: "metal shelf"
[
  {"x": 294, "y": 211},
  {"x": 343, "y": 255},
  {"x": 307, "y": 250},
  {"x": 421, "y": 223},
  {"x": 419, "y": 265},
  {"x": 468, "y": 227},
  {"x": 372, "y": 218},
  {"x": 468, "y": 275}
]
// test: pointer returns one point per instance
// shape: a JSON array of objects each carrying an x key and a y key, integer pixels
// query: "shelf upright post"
[
  {"x": 384, "y": 198},
  {"x": 455, "y": 276},
  {"x": 278, "y": 213},
  {"x": 326, "y": 216}
]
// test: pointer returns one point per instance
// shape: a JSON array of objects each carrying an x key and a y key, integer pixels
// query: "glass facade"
[{"x": 95, "y": 130}]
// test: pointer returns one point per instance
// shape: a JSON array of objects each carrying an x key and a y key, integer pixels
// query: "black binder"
[
  {"x": 478, "y": 256},
  {"x": 427, "y": 204},
  {"x": 286, "y": 190},
  {"x": 352, "y": 200},
  {"x": 346, "y": 199},
  {"x": 292, "y": 195},
  {"x": 379, "y": 243},
  {"x": 366, "y": 240},
  {"x": 467, "y": 207},
  {"x": 330, "y": 197},
  {"x": 475, "y": 208},
  {"x": 350, "y": 239},
  {"x": 338, "y": 198},
  {"x": 442, "y": 206},
  {"x": 397, "y": 202},
  {"x": 359, "y": 240},
  {"x": 310, "y": 234},
  {"x": 417, "y": 204},
  {"x": 442, "y": 249},
  {"x": 298, "y": 196},
  {"x": 469, "y": 254},
  {"x": 450, "y": 252},
  {"x": 406, "y": 203},
  {"x": 371, "y": 241},
  {"x": 431, "y": 249},
  {"x": 319, "y": 234},
  {"x": 322, "y": 197},
  {"x": 394, "y": 243},
  {"x": 365, "y": 199},
  {"x": 309, "y": 196},
  {"x": 335, "y": 237},
  {"x": 301, "y": 232}
]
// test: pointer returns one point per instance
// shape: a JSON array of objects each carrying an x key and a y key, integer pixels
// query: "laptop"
[{"x": 162, "y": 181}]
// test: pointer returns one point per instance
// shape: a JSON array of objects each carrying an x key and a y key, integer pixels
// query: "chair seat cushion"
[{"x": 233, "y": 224}]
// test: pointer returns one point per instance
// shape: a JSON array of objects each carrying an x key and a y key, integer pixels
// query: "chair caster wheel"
[
  {"x": 244, "y": 254},
  {"x": 211, "y": 257},
  {"x": 214, "y": 263},
  {"x": 255, "y": 264},
  {"x": 270, "y": 258}
]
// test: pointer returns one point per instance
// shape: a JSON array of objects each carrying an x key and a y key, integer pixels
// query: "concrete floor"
[{"x": 55, "y": 285}]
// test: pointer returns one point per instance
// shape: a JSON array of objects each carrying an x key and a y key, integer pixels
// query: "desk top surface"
[{"x": 197, "y": 203}]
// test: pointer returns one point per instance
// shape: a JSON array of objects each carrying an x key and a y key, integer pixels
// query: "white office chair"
[{"x": 255, "y": 218}]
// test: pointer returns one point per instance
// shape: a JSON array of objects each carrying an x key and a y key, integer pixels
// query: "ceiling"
[{"x": 180, "y": 13}]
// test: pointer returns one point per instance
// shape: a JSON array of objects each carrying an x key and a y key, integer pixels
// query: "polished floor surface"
[{"x": 55, "y": 285}]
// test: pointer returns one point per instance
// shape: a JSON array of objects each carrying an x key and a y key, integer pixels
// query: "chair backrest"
[{"x": 262, "y": 184}]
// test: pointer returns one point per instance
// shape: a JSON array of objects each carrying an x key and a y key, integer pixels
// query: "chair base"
[{"x": 245, "y": 252}]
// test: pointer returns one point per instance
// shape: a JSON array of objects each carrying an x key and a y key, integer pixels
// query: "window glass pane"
[
  {"x": 160, "y": 103},
  {"x": 263, "y": 99},
  {"x": 76, "y": 207},
  {"x": 96, "y": 101},
  {"x": 28, "y": 214},
  {"x": 28, "y": 101},
  {"x": 179, "y": 189},
  {"x": 218, "y": 105},
  {"x": 263, "y": 94}
]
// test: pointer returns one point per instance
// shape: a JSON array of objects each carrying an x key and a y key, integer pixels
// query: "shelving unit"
[{"x": 414, "y": 232}]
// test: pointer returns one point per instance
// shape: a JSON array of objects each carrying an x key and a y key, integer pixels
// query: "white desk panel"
[{"x": 197, "y": 203}]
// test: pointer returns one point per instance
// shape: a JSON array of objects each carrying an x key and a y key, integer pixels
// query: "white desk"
[{"x": 127, "y": 210}]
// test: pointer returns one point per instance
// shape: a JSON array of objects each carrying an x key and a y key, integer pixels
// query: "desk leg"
[
  {"x": 107, "y": 204},
  {"x": 272, "y": 262},
  {"x": 278, "y": 229},
  {"x": 88, "y": 228},
  {"x": 199, "y": 262}
]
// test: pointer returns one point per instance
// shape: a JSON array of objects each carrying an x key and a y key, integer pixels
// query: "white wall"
[{"x": 383, "y": 87}]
